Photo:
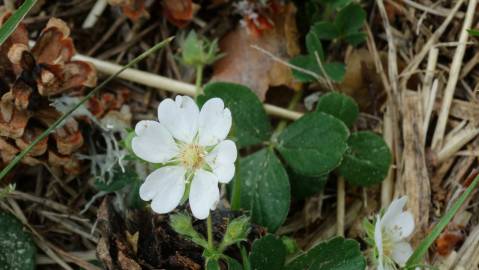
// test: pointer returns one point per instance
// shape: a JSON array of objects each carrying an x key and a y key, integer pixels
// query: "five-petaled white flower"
[
  {"x": 192, "y": 148},
  {"x": 390, "y": 235}
]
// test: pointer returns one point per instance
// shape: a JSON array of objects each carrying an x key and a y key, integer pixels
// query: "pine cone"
[{"x": 29, "y": 78}]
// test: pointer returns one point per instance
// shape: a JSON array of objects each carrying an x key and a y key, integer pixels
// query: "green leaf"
[
  {"x": 335, "y": 71},
  {"x": 17, "y": 250},
  {"x": 350, "y": 19},
  {"x": 265, "y": 189},
  {"x": 314, "y": 144},
  {"x": 336, "y": 4},
  {"x": 133, "y": 197},
  {"x": 307, "y": 62},
  {"x": 423, "y": 247},
  {"x": 233, "y": 264},
  {"x": 313, "y": 44},
  {"x": 236, "y": 232},
  {"x": 15, "y": 19},
  {"x": 335, "y": 254},
  {"x": 326, "y": 30},
  {"x": 119, "y": 180},
  {"x": 213, "y": 265},
  {"x": 199, "y": 52},
  {"x": 251, "y": 125},
  {"x": 340, "y": 106},
  {"x": 355, "y": 39},
  {"x": 181, "y": 224},
  {"x": 473, "y": 32},
  {"x": 304, "y": 186},
  {"x": 368, "y": 159},
  {"x": 267, "y": 253}
]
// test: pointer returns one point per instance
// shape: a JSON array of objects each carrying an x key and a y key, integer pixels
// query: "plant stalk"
[
  {"x": 60, "y": 120},
  {"x": 209, "y": 228},
  {"x": 236, "y": 193},
  {"x": 199, "y": 80}
]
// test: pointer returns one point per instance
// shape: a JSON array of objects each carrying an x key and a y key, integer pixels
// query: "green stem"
[
  {"x": 209, "y": 228},
  {"x": 423, "y": 247},
  {"x": 244, "y": 258},
  {"x": 282, "y": 125},
  {"x": 199, "y": 80},
  {"x": 15, "y": 19},
  {"x": 236, "y": 193},
  {"x": 25, "y": 151}
]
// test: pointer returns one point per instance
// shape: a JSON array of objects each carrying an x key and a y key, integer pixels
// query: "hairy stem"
[
  {"x": 209, "y": 227},
  {"x": 236, "y": 194},
  {"x": 199, "y": 80}
]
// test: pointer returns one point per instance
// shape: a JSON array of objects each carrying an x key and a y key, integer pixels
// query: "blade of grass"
[
  {"x": 423, "y": 247},
  {"x": 25, "y": 151},
  {"x": 11, "y": 24}
]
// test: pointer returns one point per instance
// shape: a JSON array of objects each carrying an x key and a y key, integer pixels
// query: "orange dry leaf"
[
  {"x": 245, "y": 65},
  {"x": 133, "y": 9},
  {"x": 179, "y": 12}
]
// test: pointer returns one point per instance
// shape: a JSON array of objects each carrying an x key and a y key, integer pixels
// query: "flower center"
[{"x": 192, "y": 156}]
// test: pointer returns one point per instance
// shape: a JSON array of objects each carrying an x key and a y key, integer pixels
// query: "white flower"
[
  {"x": 191, "y": 146},
  {"x": 390, "y": 235}
]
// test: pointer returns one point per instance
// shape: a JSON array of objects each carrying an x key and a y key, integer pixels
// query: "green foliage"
[
  {"x": 350, "y": 20},
  {"x": 340, "y": 106},
  {"x": 334, "y": 71},
  {"x": 473, "y": 32},
  {"x": 304, "y": 186},
  {"x": 314, "y": 145},
  {"x": 119, "y": 180},
  {"x": 267, "y": 253},
  {"x": 181, "y": 224},
  {"x": 251, "y": 125},
  {"x": 17, "y": 250},
  {"x": 15, "y": 19},
  {"x": 265, "y": 189},
  {"x": 213, "y": 265},
  {"x": 345, "y": 27},
  {"x": 336, "y": 4},
  {"x": 290, "y": 245},
  {"x": 199, "y": 52},
  {"x": 367, "y": 161},
  {"x": 335, "y": 254},
  {"x": 236, "y": 232}
]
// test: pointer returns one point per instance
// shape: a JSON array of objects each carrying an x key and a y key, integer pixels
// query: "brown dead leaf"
[
  {"x": 361, "y": 80},
  {"x": 245, "y": 65},
  {"x": 180, "y": 12}
]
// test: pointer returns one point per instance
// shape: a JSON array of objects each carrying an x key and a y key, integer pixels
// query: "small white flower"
[
  {"x": 391, "y": 233},
  {"x": 191, "y": 146}
]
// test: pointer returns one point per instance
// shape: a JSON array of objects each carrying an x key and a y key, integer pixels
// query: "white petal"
[
  {"x": 401, "y": 252},
  {"x": 222, "y": 159},
  {"x": 214, "y": 123},
  {"x": 401, "y": 226},
  {"x": 153, "y": 142},
  {"x": 180, "y": 117},
  {"x": 204, "y": 194},
  {"x": 394, "y": 209},
  {"x": 166, "y": 187},
  {"x": 225, "y": 172},
  {"x": 378, "y": 237}
]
